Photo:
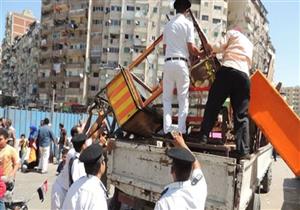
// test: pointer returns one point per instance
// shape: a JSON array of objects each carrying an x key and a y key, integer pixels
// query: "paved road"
[{"x": 27, "y": 184}]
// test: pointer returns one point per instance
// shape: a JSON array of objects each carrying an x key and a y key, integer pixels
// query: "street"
[{"x": 27, "y": 184}]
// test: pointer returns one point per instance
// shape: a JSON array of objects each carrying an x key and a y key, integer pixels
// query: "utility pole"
[{"x": 87, "y": 55}]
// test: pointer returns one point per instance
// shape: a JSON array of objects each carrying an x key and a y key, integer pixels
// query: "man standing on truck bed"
[
  {"x": 231, "y": 80},
  {"x": 179, "y": 41},
  {"x": 189, "y": 189}
]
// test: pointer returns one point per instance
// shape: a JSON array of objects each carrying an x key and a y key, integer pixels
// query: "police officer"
[
  {"x": 89, "y": 192},
  {"x": 189, "y": 189},
  {"x": 72, "y": 171},
  {"x": 179, "y": 39}
]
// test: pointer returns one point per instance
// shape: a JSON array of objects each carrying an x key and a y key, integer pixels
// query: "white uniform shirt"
[
  {"x": 237, "y": 51},
  {"x": 184, "y": 195},
  {"x": 178, "y": 32},
  {"x": 86, "y": 193},
  {"x": 78, "y": 169}
]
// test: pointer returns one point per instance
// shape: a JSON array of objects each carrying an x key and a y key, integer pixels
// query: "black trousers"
[{"x": 235, "y": 84}]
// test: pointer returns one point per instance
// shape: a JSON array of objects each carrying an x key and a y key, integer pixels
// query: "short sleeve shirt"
[
  {"x": 190, "y": 194},
  {"x": 7, "y": 157},
  {"x": 86, "y": 193},
  {"x": 177, "y": 33}
]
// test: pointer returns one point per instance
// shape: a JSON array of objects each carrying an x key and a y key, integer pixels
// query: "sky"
[{"x": 284, "y": 24}]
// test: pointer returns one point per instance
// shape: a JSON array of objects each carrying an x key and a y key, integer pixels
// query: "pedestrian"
[
  {"x": 89, "y": 192},
  {"x": 33, "y": 153},
  {"x": 11, "y": 134},
  {"x": 9, "y": 159},
  {"x": 71, "y": 172},
  {"x": 189, "y": 189},
  {"x": 23, "y": 145},
  {"x": 232, "y": 80},
  {"x": 179, "y": 39},
  {"x": 63, "y": 160},
  {"x": 45, "y": 136},
  {"x": 2, "y": 122},
  {"x": 62, "y": 140}
]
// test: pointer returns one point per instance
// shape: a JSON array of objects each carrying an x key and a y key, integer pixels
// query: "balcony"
[
  {"x": 59, "y": 53},
  {"x": 77, "y": 12},
  {"x": 75, "y": 66},
  {"x": 73, "y": 52}
]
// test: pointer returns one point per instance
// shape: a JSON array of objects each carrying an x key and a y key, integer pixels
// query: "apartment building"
[
  {"x": 121, "y": 30},
  {"x": 20, "y": 66},
  {"x": 292, "y": 95},
  {"x": 17, "y": 24},
  {"x": 251, "y": 17}
]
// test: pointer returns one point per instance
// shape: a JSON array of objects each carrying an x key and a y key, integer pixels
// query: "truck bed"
[{"x": 142, "y": 170}]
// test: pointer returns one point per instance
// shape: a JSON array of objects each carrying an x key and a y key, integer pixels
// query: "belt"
[{"x": 176, "y": 58}]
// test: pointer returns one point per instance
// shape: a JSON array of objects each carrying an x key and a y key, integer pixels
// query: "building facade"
[
  {"x": 17, "y": 24},
  {"x": 251, "y": 17},
  {"x": 121, "y": 30},
  {"x": 20, "y": 66},
  {"x": 292, "y": 95}
]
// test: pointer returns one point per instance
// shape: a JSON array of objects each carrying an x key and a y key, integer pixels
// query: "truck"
[{"x": 139, "y": 168}]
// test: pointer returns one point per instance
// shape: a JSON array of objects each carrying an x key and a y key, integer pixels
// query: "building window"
[
  {"x": 74, "y": 85},
  {"x": 204, "y": 17},
  {"x": 126, "y": 36},
  {"x": 42, "y": 85},
  {"x": 126, "y": 49},
  {"x": 138, "y": 8},
  {"x": 154, "y": 9},
  {"x": 129, "y": 22},
  {"x": 215, "y": 20},
  {"x": 130, "y": 8},
  {"x": 95, "y": 74},
  {"x": 216, "y": 34},
  {"x": 94, "y": 88},
  {"x": 217, "y": 7}
]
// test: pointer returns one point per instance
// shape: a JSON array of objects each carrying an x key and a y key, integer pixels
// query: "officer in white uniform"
[
  {"x": 89, "y": 192},
  {"x": 179, "y": 38},
  {"x": 72, "y": 171},
  {"x": 189, "y": 189}
]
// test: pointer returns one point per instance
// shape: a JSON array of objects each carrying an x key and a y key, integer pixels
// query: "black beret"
[
  {"x": 79, "y": 138},
  {"x": 91, "y": 154},
  {"x": 186, "y": 4},
  {"x": 181, "y": 154}
]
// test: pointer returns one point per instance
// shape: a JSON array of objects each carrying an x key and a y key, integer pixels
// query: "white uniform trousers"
[{"x": 176, "y": 74}]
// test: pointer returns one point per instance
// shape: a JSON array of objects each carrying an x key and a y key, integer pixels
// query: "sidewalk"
[{"x": 27, "y": 185}]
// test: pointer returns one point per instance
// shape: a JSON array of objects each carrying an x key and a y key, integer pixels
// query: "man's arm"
[
  {"x": 16, "y": 165},
  {"x": 180, "y": 143}
]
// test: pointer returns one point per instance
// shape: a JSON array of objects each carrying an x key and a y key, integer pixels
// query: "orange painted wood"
[{"x": 276, "y": 119}]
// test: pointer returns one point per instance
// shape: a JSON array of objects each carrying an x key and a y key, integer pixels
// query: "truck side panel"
[
  {"x": 250, "y": 173},
  {"x": 142, "y": 171}
]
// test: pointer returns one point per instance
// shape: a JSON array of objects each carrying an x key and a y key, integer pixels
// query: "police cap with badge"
[
  {"x": 181, "y": 154},
  {"x": 91, "y": 154}
]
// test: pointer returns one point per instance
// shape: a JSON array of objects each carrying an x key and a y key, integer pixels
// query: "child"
[
  {"x": 64, "y": 152},
  {"x": 23, "y": 144}
]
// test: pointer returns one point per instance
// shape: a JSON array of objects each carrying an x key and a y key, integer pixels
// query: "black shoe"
[{"x": 203, "y": 139}]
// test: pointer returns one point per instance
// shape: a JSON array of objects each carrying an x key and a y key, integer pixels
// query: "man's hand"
[{"x": 179, "y": 141}]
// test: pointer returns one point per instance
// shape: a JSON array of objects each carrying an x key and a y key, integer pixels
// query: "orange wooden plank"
[{"x": 276, "y": 119}]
